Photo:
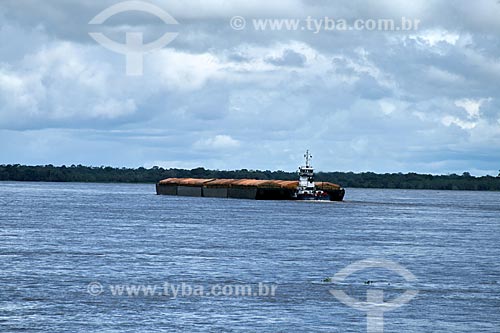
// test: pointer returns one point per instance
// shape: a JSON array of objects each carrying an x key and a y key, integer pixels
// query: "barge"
[{"x": 303, "y": 189}]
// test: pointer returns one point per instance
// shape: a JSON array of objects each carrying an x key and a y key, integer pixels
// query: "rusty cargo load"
[{"x": 241, "y": 188}]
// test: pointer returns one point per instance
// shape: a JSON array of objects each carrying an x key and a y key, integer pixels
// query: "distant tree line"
[{"x": 80, "y": 173}]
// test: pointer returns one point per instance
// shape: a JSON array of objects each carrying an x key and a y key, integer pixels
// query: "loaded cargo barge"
[
  {"x": 242, "y": 188},
  {"x": 303, "y": 189}
]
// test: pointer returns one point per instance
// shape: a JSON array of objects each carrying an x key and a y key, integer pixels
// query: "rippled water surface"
[{"x": 56, "y": 238}]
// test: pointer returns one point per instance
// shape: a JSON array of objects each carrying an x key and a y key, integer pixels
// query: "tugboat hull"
[{"x": 331, "y": 195}]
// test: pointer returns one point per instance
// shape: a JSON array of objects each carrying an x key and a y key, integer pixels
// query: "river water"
[{"x": 66, "y": 249}]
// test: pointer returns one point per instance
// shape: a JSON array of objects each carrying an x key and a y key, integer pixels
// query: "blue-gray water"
[{"x": 55, "y": 239}]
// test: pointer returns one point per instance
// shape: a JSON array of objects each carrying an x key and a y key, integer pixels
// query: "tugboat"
[{"x": 306, "y": 190}]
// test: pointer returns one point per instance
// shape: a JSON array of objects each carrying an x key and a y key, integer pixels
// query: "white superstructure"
[{"x": 306, "y": 176}]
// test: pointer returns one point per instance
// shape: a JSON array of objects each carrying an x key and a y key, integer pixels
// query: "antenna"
[{"x": 308, "y": 157}]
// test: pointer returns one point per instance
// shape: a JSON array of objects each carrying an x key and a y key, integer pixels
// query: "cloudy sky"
[{"x": 425, "y": 100}]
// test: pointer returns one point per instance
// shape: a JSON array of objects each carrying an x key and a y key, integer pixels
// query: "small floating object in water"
[{"x": 373, "y": 282}]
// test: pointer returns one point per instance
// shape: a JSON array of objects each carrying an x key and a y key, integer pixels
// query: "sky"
[{"x": 422, "y": 100}]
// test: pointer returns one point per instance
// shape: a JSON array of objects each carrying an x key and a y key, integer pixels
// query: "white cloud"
[
  {"x": 20, "y": 93},
  {"x": 434, "y": 36},
  {"x": 220, "y": 8},
  {"x": 218, "y": 142},
  {"x": 387, "y": 107},
  {"x": 435, "y": 73},
  {"x": 112, "y": 108},
  {"x": 61, "y": 81},
  {"x": 185, "y": 71},
  {"x": 450, "y": 120},
  {"x": 471, "y": 106}
]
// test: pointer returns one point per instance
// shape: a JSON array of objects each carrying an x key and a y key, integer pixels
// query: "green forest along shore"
[{"x": 80, "y": 173}]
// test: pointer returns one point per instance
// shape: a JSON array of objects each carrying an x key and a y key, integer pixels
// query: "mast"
[{"x": 308, "y": 157}]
